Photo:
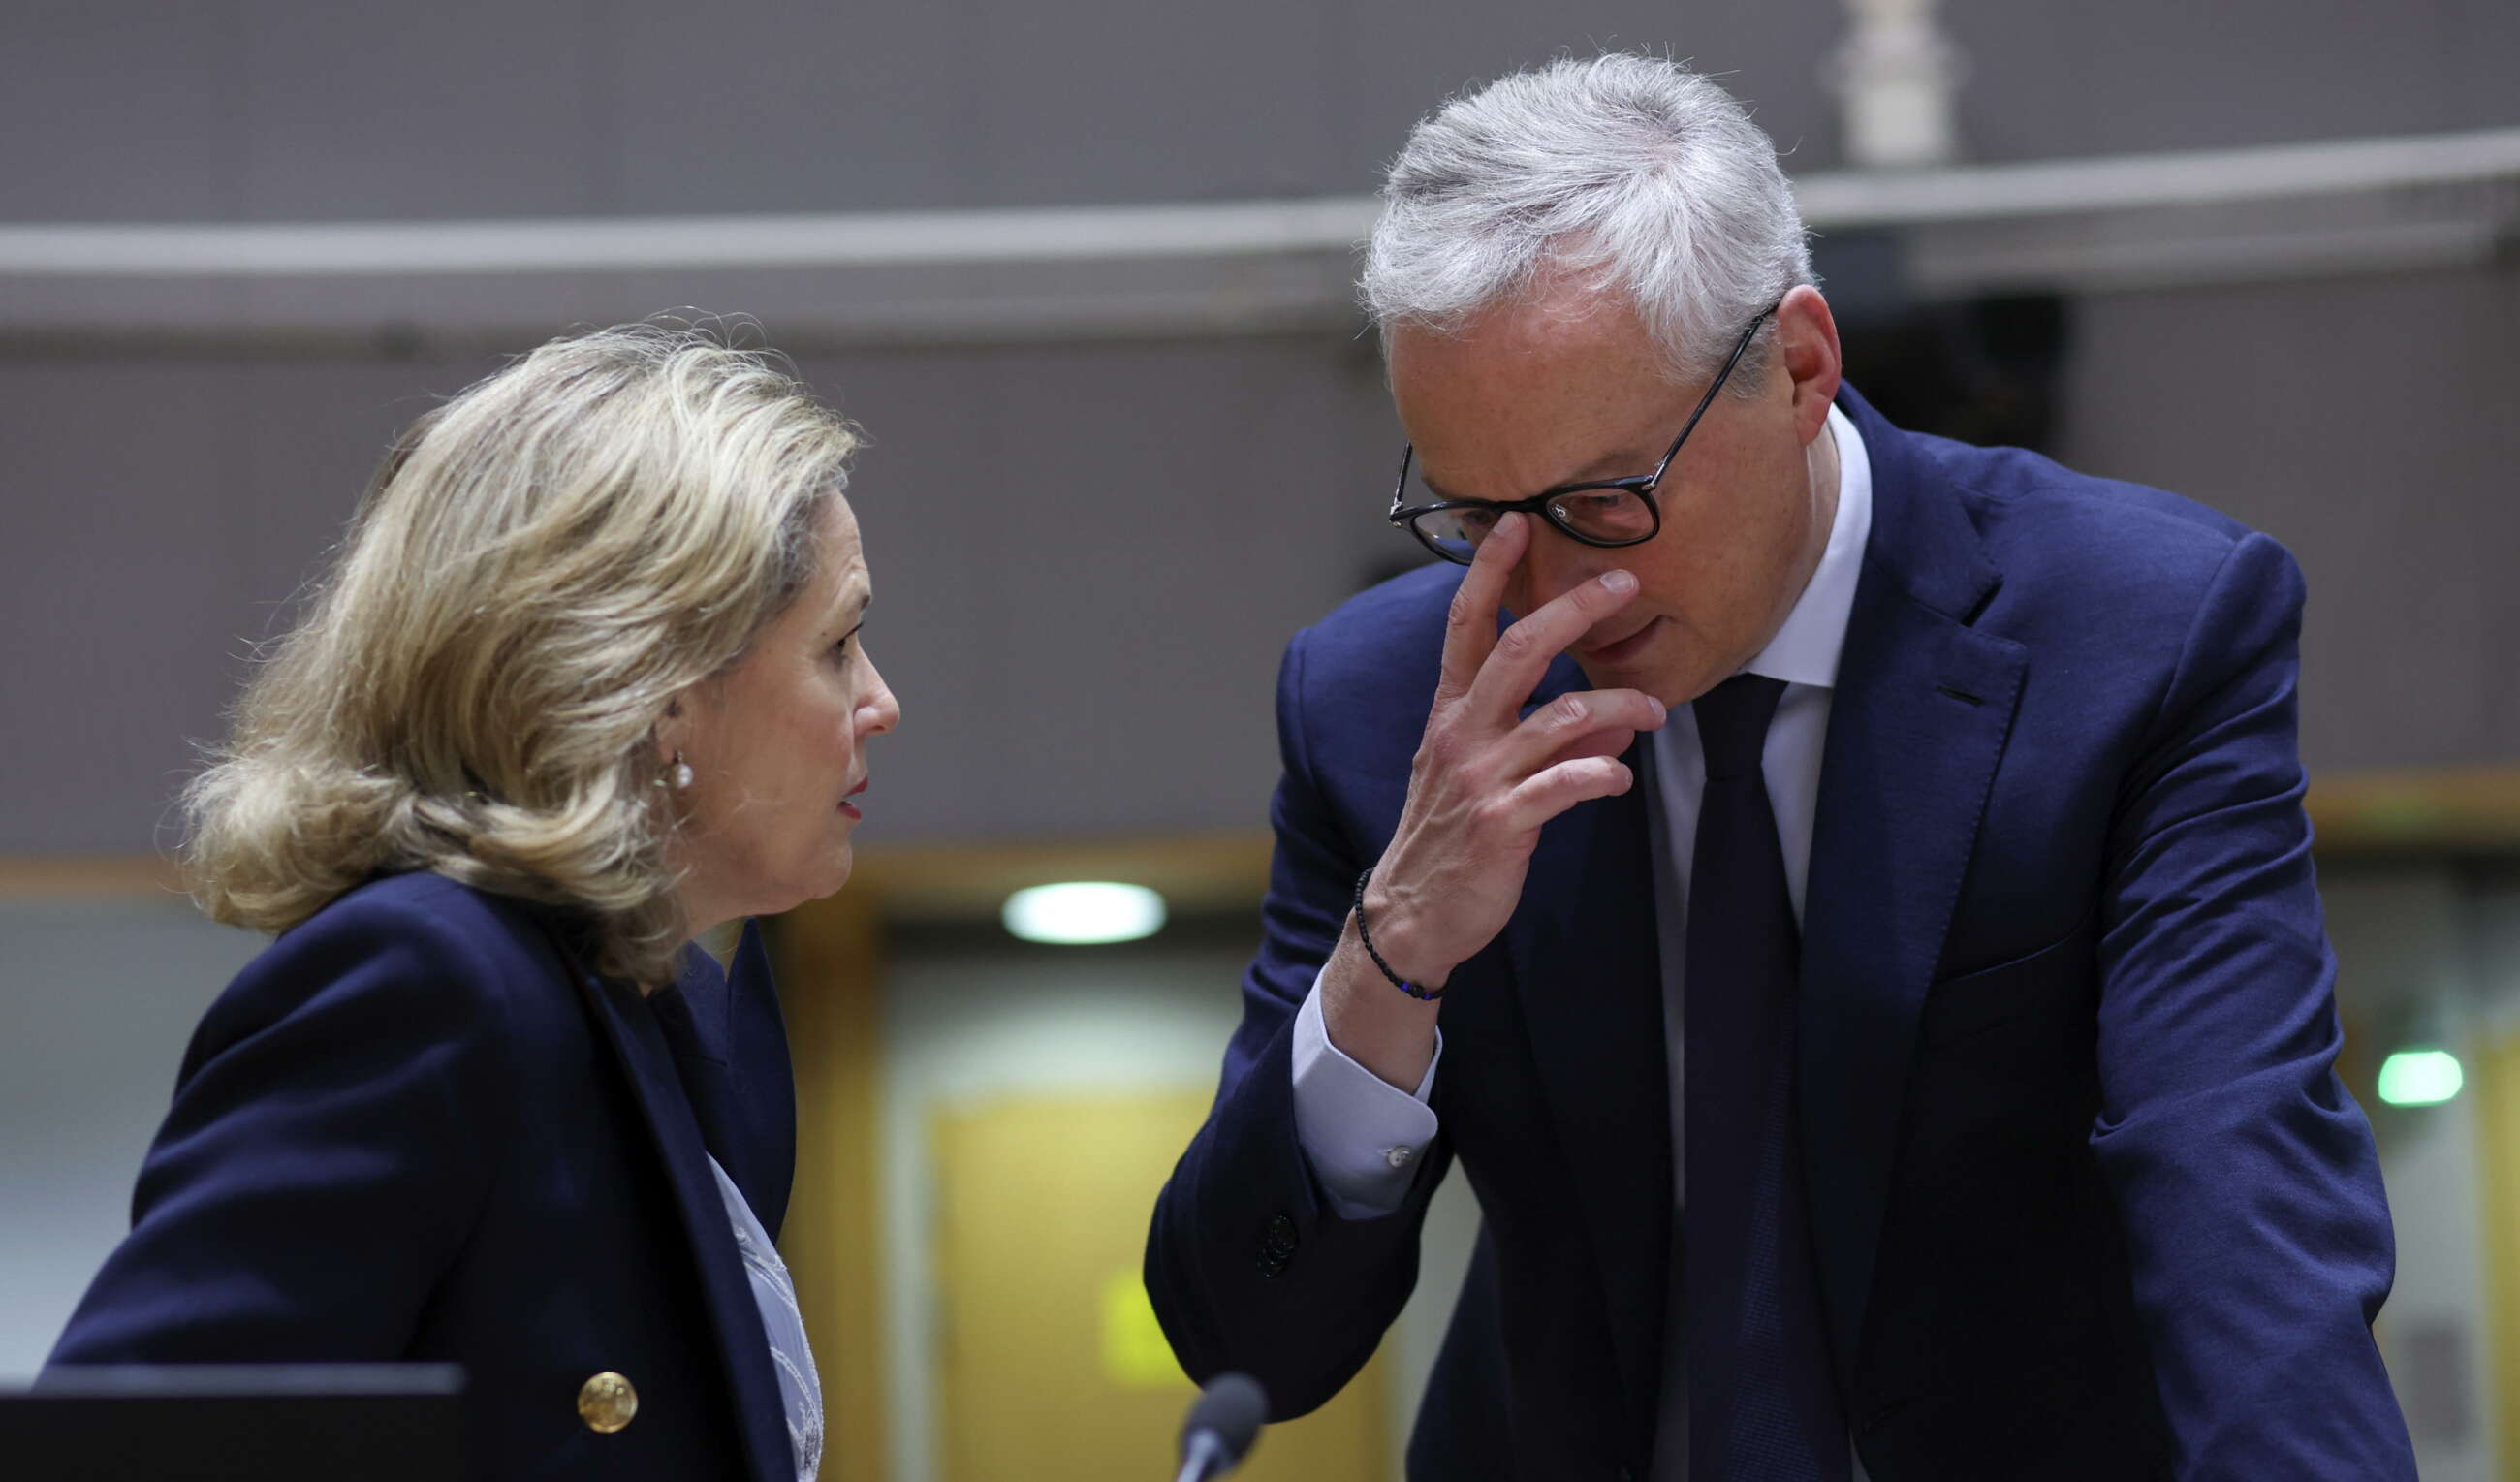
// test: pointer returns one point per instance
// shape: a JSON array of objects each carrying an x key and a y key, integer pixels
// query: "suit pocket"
[{"x": 2037, "y": 987}]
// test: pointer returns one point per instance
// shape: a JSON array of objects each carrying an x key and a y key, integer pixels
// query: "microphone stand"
[{"x": 1206, "y": 1459}]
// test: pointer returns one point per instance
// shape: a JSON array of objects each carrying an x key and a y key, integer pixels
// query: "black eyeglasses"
[{"x": 1609, "y": 512}]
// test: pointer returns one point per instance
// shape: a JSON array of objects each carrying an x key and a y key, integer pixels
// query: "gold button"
[{"x": 607, "y": 1402}]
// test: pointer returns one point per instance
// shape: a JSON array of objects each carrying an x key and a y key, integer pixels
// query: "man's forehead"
[
  {"x": 1532, "y": 331},
  {"x": 1537, "y": 396}
]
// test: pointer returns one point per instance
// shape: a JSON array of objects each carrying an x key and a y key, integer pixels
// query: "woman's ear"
[{"x": 673, "y": 732}]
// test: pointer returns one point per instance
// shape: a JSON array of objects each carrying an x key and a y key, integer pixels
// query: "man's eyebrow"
[{"x": 1602, "y": 468}]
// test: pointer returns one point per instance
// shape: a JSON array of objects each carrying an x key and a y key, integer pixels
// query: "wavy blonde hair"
[{"x": 543, "y": 564}]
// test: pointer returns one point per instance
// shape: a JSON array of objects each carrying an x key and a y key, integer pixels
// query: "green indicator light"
[{"x": 2420, "y": 1078}]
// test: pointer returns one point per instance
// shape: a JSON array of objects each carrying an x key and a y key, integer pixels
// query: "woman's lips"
[{"x": 850, "y": 808}]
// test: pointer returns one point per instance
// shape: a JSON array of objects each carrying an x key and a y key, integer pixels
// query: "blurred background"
[{"x": 1083, "y": 272}]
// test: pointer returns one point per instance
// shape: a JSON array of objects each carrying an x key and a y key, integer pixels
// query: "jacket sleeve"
[
  {"x": 2245, "y": 1174},
  {"x": 1248, "y": 1266},
  {"x": 327, "y": 1153}
]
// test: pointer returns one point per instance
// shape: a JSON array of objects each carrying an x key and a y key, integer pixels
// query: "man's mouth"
[{"x": 1620, "y": 649}]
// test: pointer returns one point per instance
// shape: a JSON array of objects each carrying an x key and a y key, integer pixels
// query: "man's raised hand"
[{"x": 1486, "y": 778}]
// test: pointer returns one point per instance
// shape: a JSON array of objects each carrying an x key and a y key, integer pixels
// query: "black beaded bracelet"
[{"x": 1425, "y": 995}]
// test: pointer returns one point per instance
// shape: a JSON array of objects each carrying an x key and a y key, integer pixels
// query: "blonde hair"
[{"x": 543, "y": 564}]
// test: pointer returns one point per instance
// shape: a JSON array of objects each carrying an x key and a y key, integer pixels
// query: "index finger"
[
  {"x": 1526, "y": 650},
  {"x": 1470, "y": 627}
]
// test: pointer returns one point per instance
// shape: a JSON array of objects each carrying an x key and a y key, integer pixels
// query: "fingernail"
[{"x": 1621, "y": 582}]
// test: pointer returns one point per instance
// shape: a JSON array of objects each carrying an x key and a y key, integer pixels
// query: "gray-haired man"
[{"x": 1865, "y": 895}]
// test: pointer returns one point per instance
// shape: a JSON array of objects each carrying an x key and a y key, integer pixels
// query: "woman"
[{"x": 585, "y": 682}]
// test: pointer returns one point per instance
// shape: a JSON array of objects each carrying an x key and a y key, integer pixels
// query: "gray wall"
[
  {"x": 1085, "y": 562},
  {"x": 1088, "y": 555},
  {"x": 266, "y": 110},
  {"x": 97, "y": 1000}
]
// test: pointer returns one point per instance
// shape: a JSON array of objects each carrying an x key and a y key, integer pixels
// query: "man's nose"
[{"x": 1554, "y": 564}]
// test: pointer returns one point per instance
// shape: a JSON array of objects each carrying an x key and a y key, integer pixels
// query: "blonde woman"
[{"x": 587, "y": 680}]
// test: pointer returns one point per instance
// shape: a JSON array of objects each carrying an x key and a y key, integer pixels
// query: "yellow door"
[
  {"x": 2496, "y": 1076},
  {"x": 1053, "y": 1369}
]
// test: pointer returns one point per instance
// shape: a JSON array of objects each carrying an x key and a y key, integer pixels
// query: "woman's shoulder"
[
  {"x": 429, "y": 903},
  {"x": 430, "y": 917},
  {"x": 431, "y": 953}
]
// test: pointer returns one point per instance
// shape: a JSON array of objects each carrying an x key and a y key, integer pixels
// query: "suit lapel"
[
  {"x": 1589, "y": 975},
  {"x": 1922, "y": 711},
  {"x": 730, "y": 1051},
  {"x": 649, "y": 1065}
]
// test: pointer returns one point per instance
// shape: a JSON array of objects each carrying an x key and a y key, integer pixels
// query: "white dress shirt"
[{"x": 1363, "y": 1135}]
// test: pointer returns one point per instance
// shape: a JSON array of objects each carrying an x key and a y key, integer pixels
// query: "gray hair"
[{"x": 1643, "y": 177}]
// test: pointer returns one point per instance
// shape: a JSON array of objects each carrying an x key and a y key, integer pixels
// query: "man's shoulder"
[
  {"x": 2044, "y": 522},
  {"x": 2109, "y": 581},
  {"x": 1368, "y": 668},
  {"x": 1391, "y": 633},
  {"x": 1410, "y": 607}
]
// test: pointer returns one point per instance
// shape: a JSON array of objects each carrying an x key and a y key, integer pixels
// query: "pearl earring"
[{"x": 679, "y": 775}]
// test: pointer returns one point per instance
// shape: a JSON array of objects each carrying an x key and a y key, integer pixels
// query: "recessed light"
[{"x": 1078, "y": 913}]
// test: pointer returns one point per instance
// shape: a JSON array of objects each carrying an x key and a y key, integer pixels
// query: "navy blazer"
[
  {"x": 415, "y": 1129},
  {"x": 2088, "y": 1201}
]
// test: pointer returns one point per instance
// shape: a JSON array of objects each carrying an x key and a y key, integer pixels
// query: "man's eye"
[{"x": 1478, "y": 521}]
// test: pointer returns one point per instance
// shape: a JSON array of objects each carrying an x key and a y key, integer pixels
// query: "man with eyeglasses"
[{"x": 1842, "y": 896}]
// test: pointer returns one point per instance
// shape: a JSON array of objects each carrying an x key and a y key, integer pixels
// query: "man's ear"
[{"x": 1807, "y": 349}]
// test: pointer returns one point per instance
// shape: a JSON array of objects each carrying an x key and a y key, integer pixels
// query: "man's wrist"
[{"x": 1398, "y": 942}]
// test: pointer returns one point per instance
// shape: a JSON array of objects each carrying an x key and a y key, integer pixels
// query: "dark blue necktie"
[{"x": 1763, "y": 1406}]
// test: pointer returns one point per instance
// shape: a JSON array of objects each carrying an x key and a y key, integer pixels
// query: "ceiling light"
[{"x": 1081, "y": 912}]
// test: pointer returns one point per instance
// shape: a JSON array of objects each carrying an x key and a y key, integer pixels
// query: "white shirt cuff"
[{"x": 1362, "y": 1135}]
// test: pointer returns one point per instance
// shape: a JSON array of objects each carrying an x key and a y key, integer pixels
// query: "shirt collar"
[{"x": 1806, "y": 649}]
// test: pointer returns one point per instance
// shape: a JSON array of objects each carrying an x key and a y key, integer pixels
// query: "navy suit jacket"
[
  {"x": 415, "y": 1129},
  {"x": 2088, "y": 1198}
]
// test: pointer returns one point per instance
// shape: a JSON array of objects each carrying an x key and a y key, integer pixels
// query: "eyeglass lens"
[{"x": 1612, "y": 517}]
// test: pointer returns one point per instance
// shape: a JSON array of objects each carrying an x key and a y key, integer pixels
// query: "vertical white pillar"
[{"x": 1897, "y": 75}]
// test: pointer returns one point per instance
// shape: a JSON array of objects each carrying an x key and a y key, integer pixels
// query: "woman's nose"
[{"x": 880, "y": 711}]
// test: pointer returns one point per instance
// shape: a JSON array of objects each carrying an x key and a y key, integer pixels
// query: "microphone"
[{"x": 1221, "y": 1426}]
